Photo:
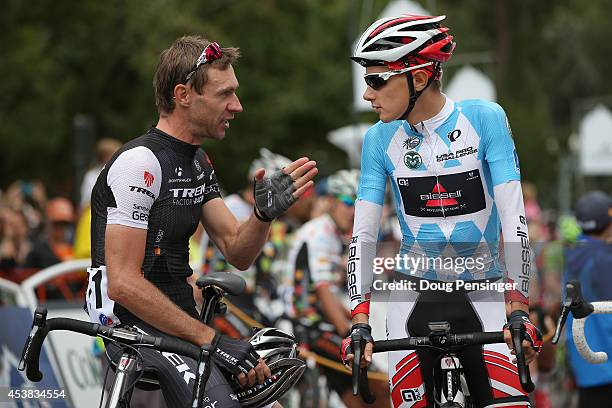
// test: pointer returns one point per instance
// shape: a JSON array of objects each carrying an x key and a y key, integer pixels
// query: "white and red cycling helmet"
[{"x": 406, "y": 41}]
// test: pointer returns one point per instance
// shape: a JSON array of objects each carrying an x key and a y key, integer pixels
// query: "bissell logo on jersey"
[
  {"x": 148, "y": 179},
  {"x": 439, "y": 197}
]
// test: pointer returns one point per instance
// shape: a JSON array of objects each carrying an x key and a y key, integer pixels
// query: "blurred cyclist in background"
[
  {"x": 55, "y": 244},
  {"x": 316, "y": 261},
  {"x": 454, "y": 172},
  {"x": 589, "y": 261},
  {"x": 260, "y": 278}
]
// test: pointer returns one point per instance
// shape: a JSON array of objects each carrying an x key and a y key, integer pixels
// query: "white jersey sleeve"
[
  {"x": 509, "y": 200},
  {"x": 135, "y": 180},
  {"x": 361, "y": 253}
]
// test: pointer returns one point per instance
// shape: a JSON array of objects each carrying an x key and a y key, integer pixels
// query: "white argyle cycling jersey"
[{"x": 455, "y": 180}]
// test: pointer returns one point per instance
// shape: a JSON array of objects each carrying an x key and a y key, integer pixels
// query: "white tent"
[
  {"x": 470, "y": 83},
  {"x": 596, "y": 142},
  {"x": 350, "y": 139}
]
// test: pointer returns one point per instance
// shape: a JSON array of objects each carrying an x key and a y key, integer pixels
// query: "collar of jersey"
[
  {"x": 430, "y": 125},
  {"x": 174, "y": 143}
]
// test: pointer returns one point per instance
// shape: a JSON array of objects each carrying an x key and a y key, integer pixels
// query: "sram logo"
[{"x": 188, "y": 192}]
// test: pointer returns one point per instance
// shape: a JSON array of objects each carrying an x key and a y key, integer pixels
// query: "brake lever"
[
  {"x": 575, "y": 303},
  {"x": 517, "y": 329},
  {"x": 360, "y": 375},
  {"x": 38, "y": 325}
]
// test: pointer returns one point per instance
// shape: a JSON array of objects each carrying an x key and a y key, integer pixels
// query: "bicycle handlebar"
[
  {"x": 594, "y": 357},
  {"x": 448, "y": 341},
  {"x": 41, "y": 327}
]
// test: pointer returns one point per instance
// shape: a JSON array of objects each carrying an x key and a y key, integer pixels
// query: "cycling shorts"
[
  {"x": 176, "y": 375},
  {"x": 491, "y": 377}
]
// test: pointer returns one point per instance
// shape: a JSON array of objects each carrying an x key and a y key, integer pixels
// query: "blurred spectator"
[
  {"x": 588, "y": 261},
  {"x": 55, "y": 243},
  {"x": 14, "y": 243},
  {"x": 530, "y": 197},
  {"x": 29, "y": 198},
  {"x": 105, "y": 148}
]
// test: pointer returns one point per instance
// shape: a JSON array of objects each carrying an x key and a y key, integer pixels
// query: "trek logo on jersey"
[
  {"x": 459, "y": 153},
  {"x": 148, "y": 178},
  {"x": 442, "y": 196},
  {"x": 411, "y": 395},
  {"x": 454, "y": 135},
  {"x": 142, "y": 191},
  {"x": 188, "y": 196}
]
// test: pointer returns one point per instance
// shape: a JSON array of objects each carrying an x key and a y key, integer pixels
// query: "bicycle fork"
[
  {"x": 126, "y": 369},
  {"x": 452, "y": 383}
]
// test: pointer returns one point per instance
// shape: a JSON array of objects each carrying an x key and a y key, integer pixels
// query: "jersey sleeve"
[
  {"x": 500, "y": 152},
  {"x": 361, "y": 253},
  {"x": 323, "y": 258},
  {"x": 373, "y": 179},
  {"x": 135, "y": 181},
  {"x": 212, "y": 189},
  {"x": 517, "y": 251}
]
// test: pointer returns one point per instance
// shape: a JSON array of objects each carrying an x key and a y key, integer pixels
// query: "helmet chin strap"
[{"x": 414, "y": 95}]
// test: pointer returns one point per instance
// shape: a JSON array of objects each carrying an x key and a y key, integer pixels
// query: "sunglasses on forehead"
[
  {"x": 211, "y": 53},
  {"x": 379, "y": 79}
]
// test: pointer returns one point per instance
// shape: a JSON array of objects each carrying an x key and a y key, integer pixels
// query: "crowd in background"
[{"x": 37, "y": 231}]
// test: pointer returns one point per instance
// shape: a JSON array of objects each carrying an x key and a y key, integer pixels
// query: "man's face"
[
  {"x": 391, "y": 100},
  {"x": 343, "y": 213},
  {"x": 212, "y": 110}
]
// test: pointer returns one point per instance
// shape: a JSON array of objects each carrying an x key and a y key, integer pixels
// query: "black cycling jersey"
[{"x": 159, "y": 183}]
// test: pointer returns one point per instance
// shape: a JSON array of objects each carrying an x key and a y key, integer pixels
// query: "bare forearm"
[
  {"x": 333, "y": 310},
  {"x": 247, "y": 243},
  {"x": 148, "y": 303}
]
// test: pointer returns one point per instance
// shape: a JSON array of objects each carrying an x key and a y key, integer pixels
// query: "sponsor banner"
[
  {"x": 80, "y": 369},
  {"x": 443, "y": 196},
  {"x": 46, "y": 393}
]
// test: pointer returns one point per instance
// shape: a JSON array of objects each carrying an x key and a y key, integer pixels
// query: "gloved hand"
[
  {"x": 532, "y": 334},
  {"x": 364, "y": 331},
  {"x": 236, "y": 356},
  {"x": 273, "y": 195}
]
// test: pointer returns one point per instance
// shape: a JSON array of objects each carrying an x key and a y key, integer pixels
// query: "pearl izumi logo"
[
  {"x": 413, "y": 160},
  {"x": 454, "y": 135}
]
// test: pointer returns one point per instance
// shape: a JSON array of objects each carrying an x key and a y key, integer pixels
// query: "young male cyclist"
[{"x": 454, "y": 173}]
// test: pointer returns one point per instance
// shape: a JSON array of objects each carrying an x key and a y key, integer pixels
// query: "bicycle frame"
[{"x": 130, "y": 340}]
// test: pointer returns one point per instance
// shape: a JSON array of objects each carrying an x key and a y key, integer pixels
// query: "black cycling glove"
[
  {"x": 531, "y": 334},
  {"x": 236, "y": 356},
  {"x": 365, "y": 333},
  {"x": 273, "y": 195}
]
